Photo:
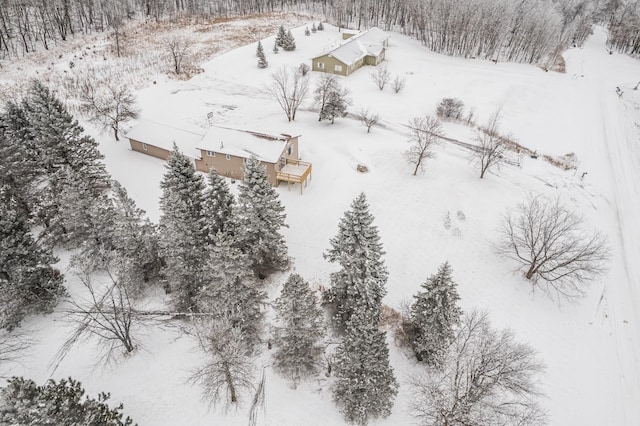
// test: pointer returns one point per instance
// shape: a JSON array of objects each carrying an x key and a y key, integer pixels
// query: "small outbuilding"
[{"x": 365, "y": 48}]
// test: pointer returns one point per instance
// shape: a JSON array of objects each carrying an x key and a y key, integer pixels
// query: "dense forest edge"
[{"x": 528, "y": 31}]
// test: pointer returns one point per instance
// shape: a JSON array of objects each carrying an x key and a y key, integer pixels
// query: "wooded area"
[{"x": 531, "y": 31}]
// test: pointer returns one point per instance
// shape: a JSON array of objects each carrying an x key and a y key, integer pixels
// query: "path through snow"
[{"x": 615, "y": 165}]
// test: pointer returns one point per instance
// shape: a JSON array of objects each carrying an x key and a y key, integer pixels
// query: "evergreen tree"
[
  {"x": 289, "y": 43},
  {"x": 434, "y": 316},
  {"x": 365, "y": 386},
  {"x": 230, "y": 290},
  {"x": 281, "y": 36},
  {"x": 335, "y": 105},
  {"x": 28, "y": 282},
  {"x": 182, "y": 229},
  {"x": 262, "y": 61},
  {"x": 260, "y": 217},
  {"x": 19, "y": 165},
  {"x": 134, "y": 239},
  {"x": 61, "y": 403},
  {"x": 300, "y": 328},
  {"x": 69, "y": 161},
  {"x": 307, "y": 32},
  {"x": 360, "y": 283},
  {"x": 275, "y": 48},
  {"x": 313, "y": 28},
  {"x": 320, "y": 26},
  {"x": 218, "y": 206}
]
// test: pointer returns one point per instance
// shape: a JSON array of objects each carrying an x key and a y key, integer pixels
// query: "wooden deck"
[{"x": 295, "y": 171}]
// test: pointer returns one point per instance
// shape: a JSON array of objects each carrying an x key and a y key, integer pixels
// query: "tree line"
[{"x": 532, "y": 31}]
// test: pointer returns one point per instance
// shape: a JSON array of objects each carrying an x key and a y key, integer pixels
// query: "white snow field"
[{"x": 590, "y": 347}]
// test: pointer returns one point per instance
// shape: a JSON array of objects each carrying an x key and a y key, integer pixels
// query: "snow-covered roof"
[
  {"x": 244, "y": 143},
  {"x": 163, "y": 136},
  {"x": 370, "y": 42}
]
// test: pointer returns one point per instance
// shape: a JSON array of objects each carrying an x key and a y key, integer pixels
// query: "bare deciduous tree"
[
  {"x": 304, "y": 68},
  {"x": 326, "y": 85},
  {"x": 491, "y": 149},
  {"x": 548, "y": 241},
  {"x": 106, "y": 312},
  {"x": 425, "y": 132},
  {"x": 290, "y": 90},
  {"x": 13, "y": 347},
  {"x": 178, "y": 49},
  {"x": 450, "y": 108},
  {"x": 368, "y": 119},
  {"x": 380, "y": 76},
  {"x": 398, "y": 83},
  {"x": 108, "y": 104},
  {"x": 488, "y": 378},
  {"x": 228, "y": 370}
]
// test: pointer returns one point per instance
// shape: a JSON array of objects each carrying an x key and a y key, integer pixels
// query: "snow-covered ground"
[{"x": 590, "y": 347}]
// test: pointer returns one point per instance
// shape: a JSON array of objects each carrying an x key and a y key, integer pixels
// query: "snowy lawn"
[{"x": 590, "y": 347}]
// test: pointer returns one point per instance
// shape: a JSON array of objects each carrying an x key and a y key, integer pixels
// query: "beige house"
[
  {"x": 365, "y": 48},
  {"x": 225, "y": 149}
]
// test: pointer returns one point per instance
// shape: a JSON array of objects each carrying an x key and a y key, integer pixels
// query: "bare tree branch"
[
  {"x": 425, "y": 133},
  {"x": 488, "y": 378},
  {"x": 548, "y": 241},
  {"x": 290, "y": 88}
]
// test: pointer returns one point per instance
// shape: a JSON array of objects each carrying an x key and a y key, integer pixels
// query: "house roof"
[
  {"x": 370, "y": 42},
  {"x": 244, "y": 143},
  {"x": 164, "y": 136}
]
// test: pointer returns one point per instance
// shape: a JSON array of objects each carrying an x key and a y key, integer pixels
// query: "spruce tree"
[
  {"x": 134, "y": 238},
  {"x": 360, "y": 283},
  {"x": 69, "y": 161},
  {"x": 262, "y": 61},
  {"x": 365, "y": 386},
  {"x": 260, "y": 215},
  {"x": 182, "y": 232},
  {"x": 434, "y": 316},
  {"x": 28, "y": 282},
  {"x": 281, "y": 36},
  {"x": 275, "y": 48},
  {"x": 313, "y": 28},
  {"x": 289, "y": 43},
  {"x": 230, "y": 290},
  {"x": 335, "y": 105},
  {"x": 320, "y": 26},
  {"x": 300, "y": 327},
  {"x": 219, "y": 204},
  {"x": 307, "y": 32}
]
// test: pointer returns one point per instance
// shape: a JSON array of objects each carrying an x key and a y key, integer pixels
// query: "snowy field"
[{"x": 590, "y": 347}]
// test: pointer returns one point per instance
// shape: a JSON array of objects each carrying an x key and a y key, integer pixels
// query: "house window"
[
  {"x": 228, "y": 157},
  {"x": 211, "y": 153},
  {"x": 244, "y": 160},
  {"x": 320, "y": 65},
  {"x": 338, "y": 68},
  {"x": 144, "y": 146},
  {"x": 290, "y": 150}
]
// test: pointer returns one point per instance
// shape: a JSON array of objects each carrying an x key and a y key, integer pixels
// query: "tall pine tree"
[
  {"x": 71, "y": 175},
  {"x": 360, "y": 283},
  {"x": 434, "y": 316},
  {"x": 288, "y": 42},
  {"x": 28, "y": 282},
  {"x": 281, "y": 36},
  {"x": 134, "y": 238},
  {"x": 299, "y": 330},
  {"x": 230, "y": 290},
  {"x": 260, "y": 216},
  {"x": 218, "y": 206},
  {"x": 183, "y": 239},
  {"x": 262, "y": 61},
  {"x": 365, "y": 386}
]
